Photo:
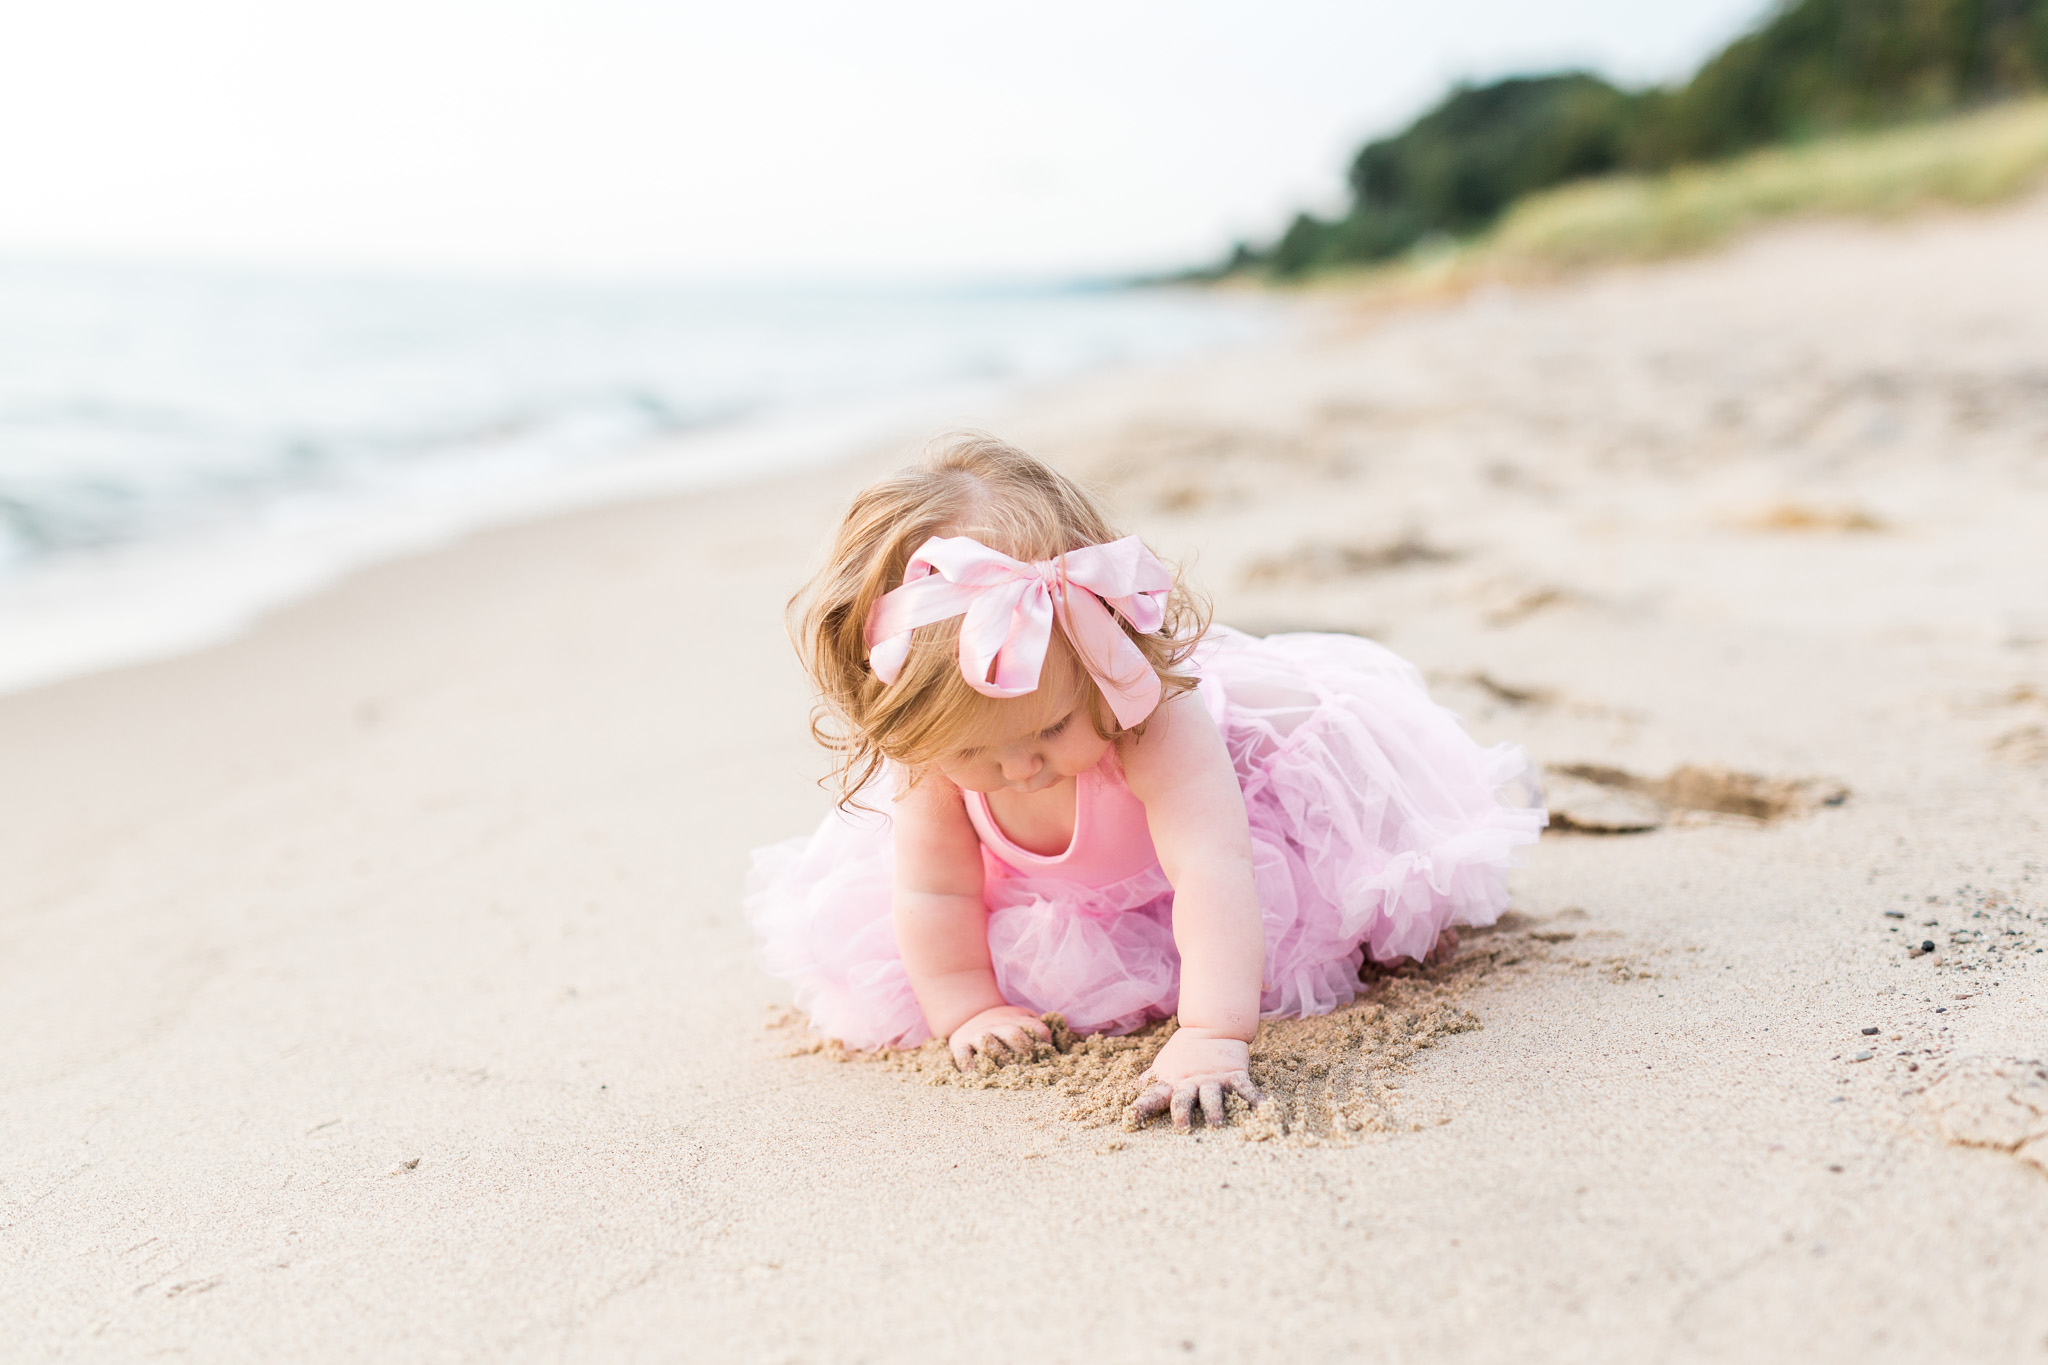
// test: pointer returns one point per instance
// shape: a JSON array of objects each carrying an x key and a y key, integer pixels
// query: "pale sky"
[{"x": 895, "y": 138}]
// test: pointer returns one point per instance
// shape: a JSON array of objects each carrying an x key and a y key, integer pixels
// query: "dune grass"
[{"x": 1980, "y": 158}]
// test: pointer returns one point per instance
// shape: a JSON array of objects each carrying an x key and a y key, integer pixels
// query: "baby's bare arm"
[
  {"x": 942, "y": 925},
  {"x": 1195, "y": 811}
]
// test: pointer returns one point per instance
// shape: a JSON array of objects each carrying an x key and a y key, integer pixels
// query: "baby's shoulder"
[
  {"x": 1178, "y": 740},
  {"x": 924, "y": 795}
]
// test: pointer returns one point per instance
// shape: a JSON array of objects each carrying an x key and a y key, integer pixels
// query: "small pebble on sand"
[
  {"x": 1870, "y": 1033},
  {"x": 1926, "y": 945},
  {"x": 1862, "y": 1056}
]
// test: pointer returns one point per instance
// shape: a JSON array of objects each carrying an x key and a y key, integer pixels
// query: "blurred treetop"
[{"x": 1814, "y": 67}]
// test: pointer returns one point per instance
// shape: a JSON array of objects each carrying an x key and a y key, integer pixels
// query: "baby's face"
[{"x": 1038, "y": 741}]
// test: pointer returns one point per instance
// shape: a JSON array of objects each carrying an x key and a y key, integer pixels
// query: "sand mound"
[{"x": 1333, "y": 1079}]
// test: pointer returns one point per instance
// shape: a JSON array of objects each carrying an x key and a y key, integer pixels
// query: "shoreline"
[
  {"x": 167, "y": 590},
  {"x": 242, "y": 578},
  {"x": 378, "y": 985}
]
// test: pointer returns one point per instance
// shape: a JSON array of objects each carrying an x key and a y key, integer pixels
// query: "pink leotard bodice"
[{"x": 1111, "y": 842}]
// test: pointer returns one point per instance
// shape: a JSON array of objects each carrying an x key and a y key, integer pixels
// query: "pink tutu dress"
[{"x": 1376, "y": 823}]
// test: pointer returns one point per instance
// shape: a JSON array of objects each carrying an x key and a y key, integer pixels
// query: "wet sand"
[{"x": 375, "y": 985}]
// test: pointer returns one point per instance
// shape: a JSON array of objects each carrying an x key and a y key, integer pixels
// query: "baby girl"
[{"x": 1082, "y": 798}]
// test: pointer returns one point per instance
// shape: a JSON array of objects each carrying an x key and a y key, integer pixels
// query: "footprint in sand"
[
  {"x": 1322, "y": 561},
  {"x": 2000, "y": 1103},
  {"x": 1593, "y": 798}
]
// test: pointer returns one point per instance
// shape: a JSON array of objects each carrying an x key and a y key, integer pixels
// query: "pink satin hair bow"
[{"x": 1010, "y": 608}]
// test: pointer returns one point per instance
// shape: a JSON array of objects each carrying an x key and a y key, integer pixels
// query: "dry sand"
[{"x": 374, "y": 986}]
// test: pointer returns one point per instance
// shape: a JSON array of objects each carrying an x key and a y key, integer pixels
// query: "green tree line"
[{"x": 1811, "y": 68}]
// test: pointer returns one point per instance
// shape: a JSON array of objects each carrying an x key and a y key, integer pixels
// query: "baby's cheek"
[{"x": 1082, "y": 753}]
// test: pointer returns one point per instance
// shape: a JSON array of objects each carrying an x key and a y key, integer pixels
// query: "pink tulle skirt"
[{"x": 1376, "y": 824}]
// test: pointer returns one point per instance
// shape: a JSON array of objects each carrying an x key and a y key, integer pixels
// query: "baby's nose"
[{"x": 1018, "y": 765}]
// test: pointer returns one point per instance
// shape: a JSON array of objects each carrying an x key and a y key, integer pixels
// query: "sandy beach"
[{"x": 375, "y": 985}]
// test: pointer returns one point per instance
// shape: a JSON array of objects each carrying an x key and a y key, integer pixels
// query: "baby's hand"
[
  {"x": 997, "y": 1033},
  {"x": 1191, "y": 1067}
]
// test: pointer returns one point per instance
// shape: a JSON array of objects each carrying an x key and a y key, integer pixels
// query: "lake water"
[{"x": 181, "y": 448}]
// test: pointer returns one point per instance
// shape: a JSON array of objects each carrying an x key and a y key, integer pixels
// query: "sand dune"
[{"x": 375, "y": 985}]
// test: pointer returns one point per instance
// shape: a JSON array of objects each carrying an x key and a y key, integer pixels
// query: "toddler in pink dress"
[{"x": 1063, "y": 793}]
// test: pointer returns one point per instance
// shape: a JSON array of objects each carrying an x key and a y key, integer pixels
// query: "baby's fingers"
[
  {"x": 963, "y": 1052},
  {"x": 1152, "y": 1102},
  {"x": 1212, "y": 1103},
  {"x": 1240, "y": 1083},
  {"x": 964, "y": 1049},
  {"x": 1016, "y": 1040},
  {"x": 1183, "y": 1106}
]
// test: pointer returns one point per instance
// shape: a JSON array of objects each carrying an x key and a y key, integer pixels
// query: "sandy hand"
[
  {"x": 1192, "y": 1069},
  {"x": 998, "y": 1033}
]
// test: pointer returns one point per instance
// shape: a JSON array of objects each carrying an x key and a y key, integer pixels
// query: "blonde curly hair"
[{"x": 966, "y": 485}]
